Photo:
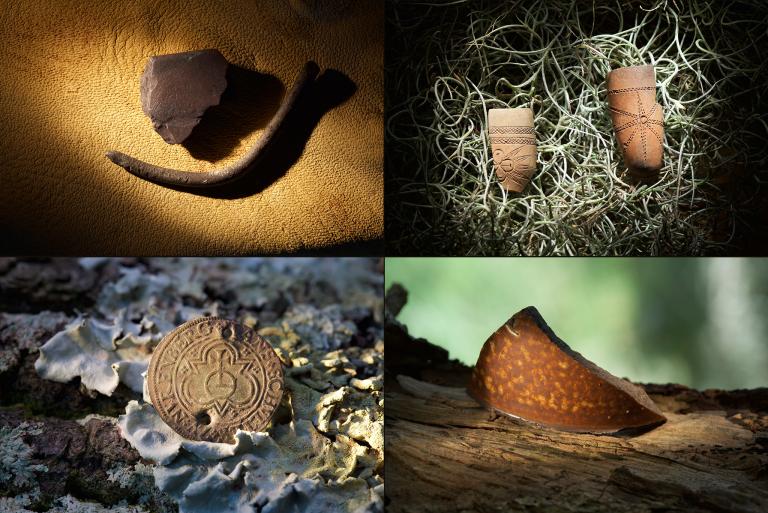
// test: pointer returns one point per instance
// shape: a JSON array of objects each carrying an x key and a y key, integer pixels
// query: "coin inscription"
[{"x": 210, "y": 377}]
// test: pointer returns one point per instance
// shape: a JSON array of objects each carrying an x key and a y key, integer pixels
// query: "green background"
[{"x": 698, "y": 322}]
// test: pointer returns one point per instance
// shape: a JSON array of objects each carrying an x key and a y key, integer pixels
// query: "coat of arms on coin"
[{"x": 210, "y": 377}]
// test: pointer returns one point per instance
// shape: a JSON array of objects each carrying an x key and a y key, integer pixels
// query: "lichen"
[
  {"x": 277, "y": 283},
  {"x": 9, "y": 357},
  {"x": 69, "y": 504},
  {"x": 324, "y": 451},
  {"x": 326, "y": 455},
  {"x": 145, "y": 430},
  {"x": 136, "y": 290},
  {"x": 95, "y": 353},
  {"x": 65, "y": 504},
  {"x": 105, "y": 353},
  {"x": 16, "y": 469},
  {"x": 22, "y": 332},
  {"x": 133, "y": 313},
  {"x": 16, "y": 504},
  {"x": 322, "y": 328},
  {"x": 139, "y": 478}
]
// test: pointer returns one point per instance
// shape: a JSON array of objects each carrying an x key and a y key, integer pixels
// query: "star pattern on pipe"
[{"x": 639, "y": 122}]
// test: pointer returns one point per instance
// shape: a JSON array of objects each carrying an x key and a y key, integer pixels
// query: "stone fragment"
[
  {"x": 525, "y": 371},
  {"x": 176, "y": 90}
]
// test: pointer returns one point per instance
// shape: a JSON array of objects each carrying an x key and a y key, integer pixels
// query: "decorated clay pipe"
[
  {"x": 637, "y": 119},
  {"x": 525, "y": 371},
  {"x": 179, "y": 178},
  {"x": 513, "y": 144}
]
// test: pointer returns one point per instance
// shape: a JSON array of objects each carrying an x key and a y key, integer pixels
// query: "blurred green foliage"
[{"x": 698, "y": 322}]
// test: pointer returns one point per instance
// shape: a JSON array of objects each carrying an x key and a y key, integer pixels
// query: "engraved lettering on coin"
[{"x": 210, "y": 377}]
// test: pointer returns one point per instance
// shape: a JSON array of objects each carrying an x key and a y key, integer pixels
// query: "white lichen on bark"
[{"x": 324, "y": 451}]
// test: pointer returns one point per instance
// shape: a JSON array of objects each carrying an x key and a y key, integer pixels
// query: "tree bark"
[
  {"x": 60, "y": 440},
  {"x": 447, "y": 453},
  {"x": 37, "y": 299}
]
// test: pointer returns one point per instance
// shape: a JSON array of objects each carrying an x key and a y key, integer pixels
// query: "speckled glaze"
[{"x": 524, "y": 370}]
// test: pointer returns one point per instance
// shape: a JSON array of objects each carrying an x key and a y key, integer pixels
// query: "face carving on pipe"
[
  {"x": 513, "y": 145},
  {"x": 525, "y": 371}
]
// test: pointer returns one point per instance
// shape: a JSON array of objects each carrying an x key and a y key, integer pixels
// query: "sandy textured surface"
[{"x": 70, "y": 92}]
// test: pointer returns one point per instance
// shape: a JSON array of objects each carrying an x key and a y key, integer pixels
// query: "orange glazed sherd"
[{"x": 525, "y": 371}]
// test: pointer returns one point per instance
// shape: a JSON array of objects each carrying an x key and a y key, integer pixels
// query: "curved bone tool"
[{"x": 175, "y": 177}]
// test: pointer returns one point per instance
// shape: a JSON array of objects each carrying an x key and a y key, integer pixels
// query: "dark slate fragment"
[{"x": 177, "y": 89}]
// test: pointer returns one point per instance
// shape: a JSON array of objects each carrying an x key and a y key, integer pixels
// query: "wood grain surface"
[{"x": 446, "y": 453}]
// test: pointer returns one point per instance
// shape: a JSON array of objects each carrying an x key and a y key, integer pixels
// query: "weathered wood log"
[{"x": 447, "y": 453}]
